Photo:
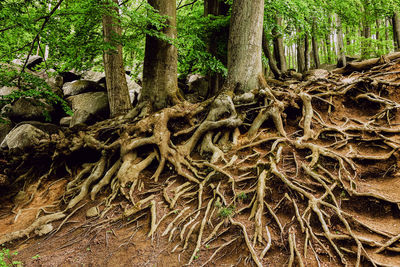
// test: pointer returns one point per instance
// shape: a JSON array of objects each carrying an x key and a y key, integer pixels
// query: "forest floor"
[{"x": 318, "y": 186}]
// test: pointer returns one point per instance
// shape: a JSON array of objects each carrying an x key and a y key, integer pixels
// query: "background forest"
[{"x": 298, "y": 34}]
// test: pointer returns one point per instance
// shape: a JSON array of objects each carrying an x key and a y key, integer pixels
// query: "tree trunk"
[
  {"x": 328, "y": 48},
  {"x": 300, "y": 56},
  {"x": 160, "y": 79},
  {"x": 216, "y": 8},
  {"x": 306, "y": 53},
  {"x": 396, "y": 30},
  {"x": 117, "y": 89},
  {"x": 279, "y": 51},
  {"x": 340, "y": 49},
  {"x": 271, "y": 60},
  {"x": 244, "y": 45},
  {"x": 315, "y": 51}
]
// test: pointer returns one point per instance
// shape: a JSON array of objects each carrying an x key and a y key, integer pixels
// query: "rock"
[
  {"x": 93, "y": 76},
  {"x": 29, "y": 109},
  {"x": 92, "y": 212},
  {"x": 5, "y": 128},
  {"x": 80, "y": 87},
  {"x": 33, "y": 61},
  {"x": 197, "y": 84},
  {"x": 44, "y": 229},
  {"x": 23, "y": 137},
  {"x": 315, "y": 74},
  {"x": 7, "y": 90},
  {"x": 66, "y": 121},
  {"x": 134, "y": 89},
  {"x": 88, "y": 107},
  {"x": 69, "y": 76},
  {"x": 48, "y": 128}
]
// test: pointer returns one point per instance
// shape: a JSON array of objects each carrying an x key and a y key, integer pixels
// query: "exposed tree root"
[{"x": 250, "y": 170}]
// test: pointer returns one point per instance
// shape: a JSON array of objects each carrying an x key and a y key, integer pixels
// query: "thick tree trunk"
[
  {"x": 160, "y": 79},
  {"x": 396, "y": 30},
  {"x": 244, "y": 45},
  {"x": 217, "y": 8},
  {"x": 117, "y": 89},
  {"x": 271, "y": 60},
  {"x": 279, "y": 51},
  {"x": 340, "y": 49}
]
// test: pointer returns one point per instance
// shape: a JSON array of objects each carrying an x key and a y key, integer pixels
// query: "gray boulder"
[
  {"x": 48, "y": 128},
  {"x": 33, "y": 61},
  {"x": 89, "y": 107},
  {"x": 93, "y": 76},
  {"x": 134, "y": 89},
  {"x": 23, "y": 137},
  {"x": 80, "y": 87},
  {"x": 29, "y": 109},
  {"x": 5, "y": 90},
  {"x": 198, "y": 85}
]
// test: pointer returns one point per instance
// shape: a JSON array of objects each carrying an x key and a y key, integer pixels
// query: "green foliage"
[
  {"x": 6, "y": 257},
  {"x": 242, "y": 196},
  {"x": 226, "y": 212},
  {"x": 194, "y": 33}
]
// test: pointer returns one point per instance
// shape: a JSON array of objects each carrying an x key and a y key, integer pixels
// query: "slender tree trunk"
[
  {"x": 279, "y": 51},
  {"x": 379, "y": 46},
  {"x": 315, "y": 50},
  {"x": 396, "y": 30},
  {"x": 300, "y": 55},
  {"x": 340, "y": 46},
  {"x": 386, "y": 35},
  {"x": 271, "y": 60},
  {"x": 328, "y": 48},
  {"x": 244, "y": 45},
  {"x": 214, "y": 7},
  {"x": 117, "y": 89},
  {"x": 160, "y": 82},
  {"x": 306, "y": 53}
]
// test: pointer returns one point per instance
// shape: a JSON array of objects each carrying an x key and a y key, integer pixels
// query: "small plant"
[
  {"x": 242, "y": 196},
  {"x": 218, "y": 204},
  {"x": 226, "y": 212},
  {"x": 37, "y": 256},
  {"x": 207, "y": 246},
  {"x": 6, "y": 256}
]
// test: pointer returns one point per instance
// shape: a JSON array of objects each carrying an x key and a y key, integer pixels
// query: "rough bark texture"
[
  {"x": 315, "y": 50},
  {"x": 279, "y": 51},
  {"x": 306, "y": 53},
  {"x": 300, "y": 56},
  {"x": 216, "y": 8},
  {"x": 160, "y": 82},
  {"x": 244, "y": 46},
  {"x": 117, "y": 89},
  {"x": 271, "y": 60},
  {"x": 340, "y": 49},
  {"x": 396, "y": 30}
]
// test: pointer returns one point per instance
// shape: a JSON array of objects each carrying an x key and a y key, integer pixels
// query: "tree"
[
  {"x": 160, "y": 82},
  {"x": 245, "y": 45},
  {"x": 117, "y": 88}
]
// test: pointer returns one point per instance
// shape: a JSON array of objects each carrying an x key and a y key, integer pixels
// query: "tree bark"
[
  {"x": 300, "y": 55},
  {"x": 396, "y": 30},
  {"x": 117, "y": 88},
  {"x": 315, "y": 49},
  {"x": 279, "y": 51},
  {"x": 216, "y": 8},
  {"x": 271, "y": 60},
  {"x": 306, "y": 53},
  {"x": 244, "y": 45},
  {"x": 160, "y": 79},
  {"x": 340, "y": 49}
]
